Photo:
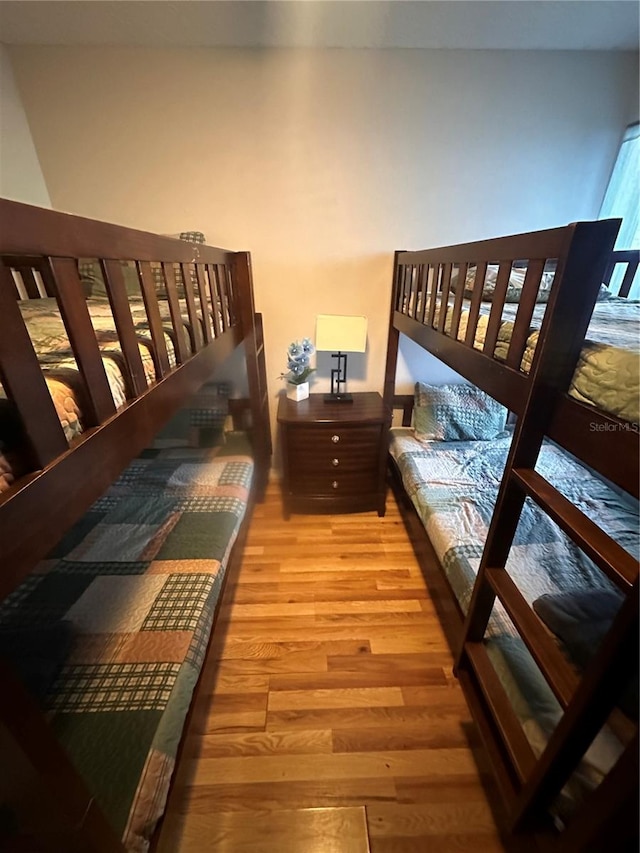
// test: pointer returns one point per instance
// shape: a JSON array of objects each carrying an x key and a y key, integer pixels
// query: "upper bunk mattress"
[
  {"x": 607, "y": 375},
  {"x": 136, "y": 581},
  {"x": 51, "y": 343}
]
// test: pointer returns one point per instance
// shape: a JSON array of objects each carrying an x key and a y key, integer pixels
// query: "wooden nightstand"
[{"x": 334, "y": 455}]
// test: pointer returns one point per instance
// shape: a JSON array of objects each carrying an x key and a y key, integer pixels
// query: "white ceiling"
[{"x": 471, "y": 24}]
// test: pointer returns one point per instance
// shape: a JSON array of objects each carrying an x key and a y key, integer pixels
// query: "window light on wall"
[{"x": 622, "y": 198}]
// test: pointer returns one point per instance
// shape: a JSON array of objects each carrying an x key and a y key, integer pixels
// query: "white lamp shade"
[{"x": 337, "y": 333}]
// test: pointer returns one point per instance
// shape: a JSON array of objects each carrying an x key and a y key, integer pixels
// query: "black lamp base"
[
  {"x": 338, "y": 380},
  {"x": 338, "y": 398}
]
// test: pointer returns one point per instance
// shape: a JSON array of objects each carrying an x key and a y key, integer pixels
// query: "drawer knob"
[
  {"x": 335, "y": 462},
  {"x": 334, "y": 484},
  {"x": 335, "y": 439}
]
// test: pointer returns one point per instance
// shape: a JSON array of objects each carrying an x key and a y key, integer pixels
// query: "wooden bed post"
[
  {"x": 252, "y": 333},
  {"x": 46, "y": 795},
  {"x": 392, "y": 346}
]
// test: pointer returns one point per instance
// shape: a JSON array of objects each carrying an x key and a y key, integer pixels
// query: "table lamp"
[{"x": 340, "y": 335}]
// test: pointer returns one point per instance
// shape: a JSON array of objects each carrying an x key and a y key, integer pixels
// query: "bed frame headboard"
[{"x": 63, "y": 481}]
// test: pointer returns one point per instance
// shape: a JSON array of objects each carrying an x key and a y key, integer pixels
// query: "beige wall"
[
  {"x": 21, "y": 177},
  {"x": 324, "y": 162}
]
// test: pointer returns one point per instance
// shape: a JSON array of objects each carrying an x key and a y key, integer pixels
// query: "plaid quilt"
[
  {"x": 453, "y": 486},
  {"x": 138, "y": 579}
]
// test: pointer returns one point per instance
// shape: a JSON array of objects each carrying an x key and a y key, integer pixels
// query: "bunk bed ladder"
[
  {"x": 529, "y": 784},
  {"x": 252, "y": 328}
]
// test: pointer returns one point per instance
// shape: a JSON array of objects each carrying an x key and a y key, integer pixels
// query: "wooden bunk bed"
[
  {"x": 72, "y": 426},
  {"x": 531, "y": 365}
]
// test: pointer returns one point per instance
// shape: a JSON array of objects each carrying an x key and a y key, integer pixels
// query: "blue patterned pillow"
[{"x": 456, "y": 413}]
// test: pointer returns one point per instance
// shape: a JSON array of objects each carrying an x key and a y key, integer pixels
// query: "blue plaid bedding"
[{"x": 453, "y": 486}]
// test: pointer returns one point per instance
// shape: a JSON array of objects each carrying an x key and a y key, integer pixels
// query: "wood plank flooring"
[{"x": 328, "y": 719}]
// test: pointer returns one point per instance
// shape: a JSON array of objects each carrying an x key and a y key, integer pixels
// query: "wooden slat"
[
  {"x": 23, "y": 380},
  {"x": 627, "y": 281},
  {"x": 435, "y": 284},
  {"x": 119, "y": 301},
  {"x": 416, "y": 291},
  {"x": 191, "y": 306},
  {"x": 544, "y": 650},
  {"x": 398, "y": 289},
  {"x": 444, "y": 299},
  {"x": 424, "y": 279},
  {"x": 496, "y": 698},
  {"x": 618, "y": 565},
  {"x": 497, "y": 304},
  {"x": 152, "y": 307},
  {"x": 179, "y": 342},
  {"x": 47, "y": 277},
  {"x": 404, "y": 402},
  {"x": 628, "y": 257},
  {"x": 232, "y": 295},
  {"x": 407, "y": 280},
  {"x": 222, "y": 319},
  {"x": 215, "y": 299},
  {"x": 12, "y": 286},
  {"x": 396, "y": 286},
  {"x": 29, "y": 281},
  {"x": 413, "y": 291},
  {"x": 222, "y": 290},
  {"x": 204, "y": 305},
  {"x": 476, "y": 301},
  {"x": 82, "y": 337},
  {"x": 457, "y": 302},
  {"x": 527, "y": 303},
  {"x": 406, "y": 291}
]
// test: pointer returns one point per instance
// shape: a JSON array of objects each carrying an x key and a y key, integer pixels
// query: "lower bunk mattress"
[
  {"x": 453, "y": 487},
  {"x": 129, "y": 596}
]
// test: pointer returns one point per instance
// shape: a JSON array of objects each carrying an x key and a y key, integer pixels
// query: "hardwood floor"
[{"x": 328, "y": 719}]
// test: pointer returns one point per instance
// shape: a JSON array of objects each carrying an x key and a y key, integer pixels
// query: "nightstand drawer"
[
  {"x": 338, "y": 459},
  {"x": 334, "y": 437},
  {"x": 333, "y": 485}
]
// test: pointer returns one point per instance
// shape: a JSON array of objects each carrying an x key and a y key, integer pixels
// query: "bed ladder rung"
[
  {"x": 618, "y": 565},
  {"x": 558, "y": 672},
  {"x": 495, "y": 697},
  {"x": 614, "y": 663},
  {"x": 494, "y": 745}
]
